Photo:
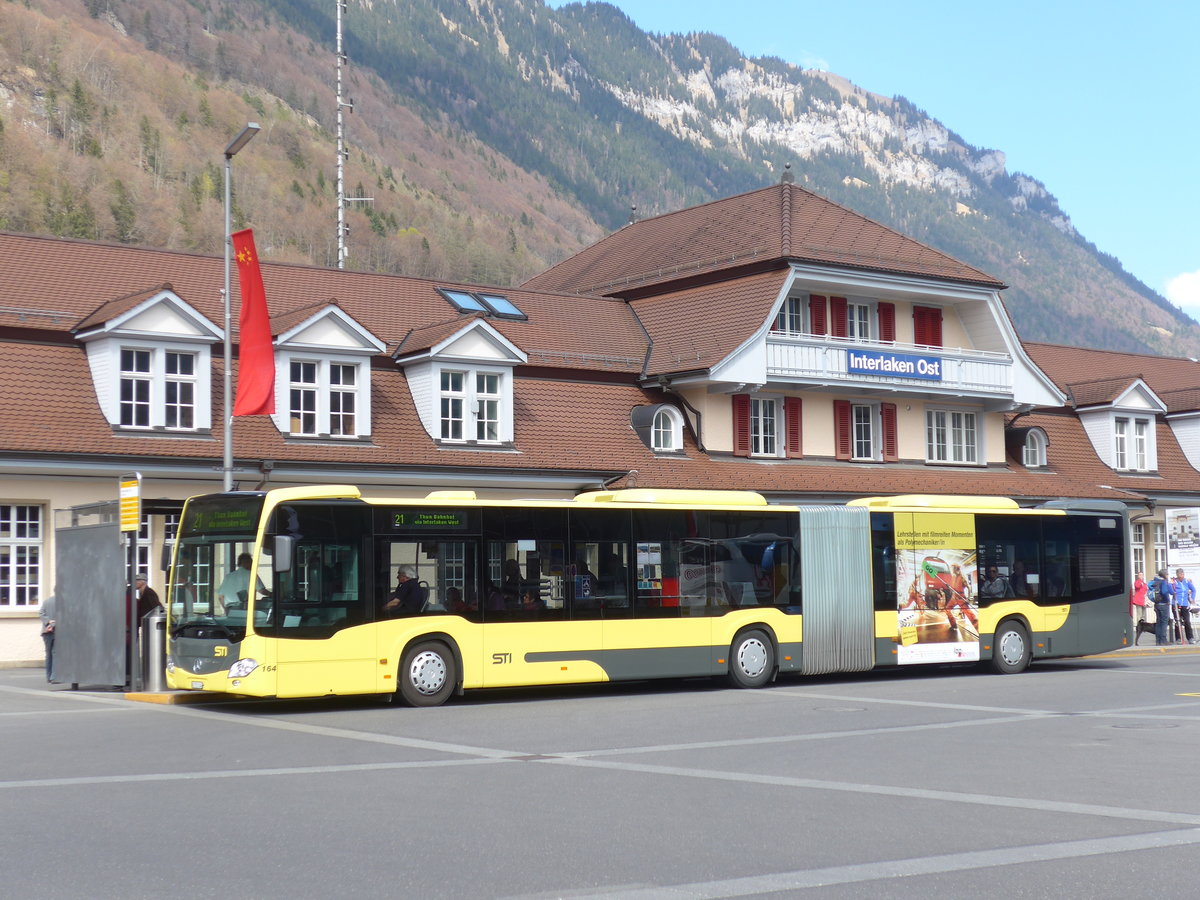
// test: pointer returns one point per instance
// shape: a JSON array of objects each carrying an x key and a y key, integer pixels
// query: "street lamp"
[{"x": 242, "y": 139}]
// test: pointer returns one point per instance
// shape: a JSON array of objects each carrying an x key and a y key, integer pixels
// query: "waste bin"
[{"x": 154, "y": 650}]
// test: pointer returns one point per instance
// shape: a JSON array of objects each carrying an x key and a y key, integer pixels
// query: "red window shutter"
[
  {"x": 816, "y": 314},
  {"x": 887, "y": 321},
  {"x": 839, "y": 319},
  {"x": 927, "y": 325},
  {"x": 794, "y": 435},
  {"x": 741, "y": 424},
  {"x": 842, "y": 432},
  {"x": 891, "y": 450}
]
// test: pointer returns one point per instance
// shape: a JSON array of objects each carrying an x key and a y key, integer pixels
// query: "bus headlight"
[
  {"x": 170, "y": 664},
  {"x": 242, "y": 668}
]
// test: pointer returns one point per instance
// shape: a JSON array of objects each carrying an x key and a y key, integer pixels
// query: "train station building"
[{"x": 772, "y": 341}]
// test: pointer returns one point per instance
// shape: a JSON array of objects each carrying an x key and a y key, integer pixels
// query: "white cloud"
[{"x": 1184, "y": 291}]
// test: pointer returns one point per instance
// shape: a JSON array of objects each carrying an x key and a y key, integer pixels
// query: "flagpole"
[{"x": 242, "y": 139}]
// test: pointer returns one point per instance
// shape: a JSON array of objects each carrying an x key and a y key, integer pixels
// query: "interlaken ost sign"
[{"x": 894, "y": 365}]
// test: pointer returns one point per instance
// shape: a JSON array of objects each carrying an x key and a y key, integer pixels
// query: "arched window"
[
  {"x": 664, "y": 435},
  {"x": 659, "y": 426},
  {"x": 1034, "y": 456}
]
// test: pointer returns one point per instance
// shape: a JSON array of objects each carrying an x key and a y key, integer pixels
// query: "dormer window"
[
  {"x": 1131, "y": 443},
  {"x": 665, "y": 433},
  {"x": 658, "y": 426},
  {"x": 471, "y": 405},
  {"x": 151, "y": 361},
  {"x": 1034, "y": 449},
  {"x": 327, "y": 389},
  {"x": 462, "y": 383}
]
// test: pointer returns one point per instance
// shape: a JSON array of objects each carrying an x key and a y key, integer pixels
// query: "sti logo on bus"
[{"x": 499, "y": 659}]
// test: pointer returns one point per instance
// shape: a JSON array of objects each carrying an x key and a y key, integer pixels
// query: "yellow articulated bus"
[{"x": 315, "y": 591}]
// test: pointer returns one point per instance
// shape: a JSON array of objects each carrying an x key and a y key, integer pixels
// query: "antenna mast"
[{"x": 341, "y": 143}]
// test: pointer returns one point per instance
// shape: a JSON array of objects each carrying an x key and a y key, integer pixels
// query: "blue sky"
[{"x": 1100, "y": 101}]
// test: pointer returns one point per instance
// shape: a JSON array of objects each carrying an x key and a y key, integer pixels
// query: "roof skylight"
[{"x": 489, "y": 304}]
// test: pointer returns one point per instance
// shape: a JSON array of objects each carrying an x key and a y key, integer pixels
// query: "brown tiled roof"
[
  {"x": 1185, "y": 400},
  {"x": 420, "y": 339},
  {"x": 1078, "y": 365},
  {"x": 114, "y": 308},
  {"x": 781, "y": 223},
  {"x": 284, "y": 322},
  {"x": 698, "y": 327},
  {"x": 566, "y": 331},
  {"x": 1073, "y": 457},
  {"x": 1105, "y": 390}
]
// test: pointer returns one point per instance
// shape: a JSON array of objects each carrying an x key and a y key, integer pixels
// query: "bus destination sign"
[{"x": 429, "y": 519}]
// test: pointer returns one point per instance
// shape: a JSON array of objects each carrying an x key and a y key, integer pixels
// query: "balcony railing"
[{"x": 915, "y": 366}]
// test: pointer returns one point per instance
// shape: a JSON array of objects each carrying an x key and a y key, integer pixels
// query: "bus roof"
[{"x": 935, "y": 501}]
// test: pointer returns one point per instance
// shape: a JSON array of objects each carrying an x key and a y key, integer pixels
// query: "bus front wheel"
[
  {"x": 751, "y": 660},
  {"x": 427, "y": 674},
  {"x": 1010, "y": 649}
]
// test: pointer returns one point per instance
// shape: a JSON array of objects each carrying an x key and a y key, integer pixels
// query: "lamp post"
[{"x": 242, "y": 139}]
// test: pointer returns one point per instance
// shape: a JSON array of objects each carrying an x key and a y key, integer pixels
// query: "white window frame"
[
  {"x": 862, "y": 321},
  {"x": 1133, "y": 445},
  {"x": 765, "y": 426},
  {"x": 1137, "y": 542},
  {"x": 482, "y": 408},
  {"x": 866, "y": 432},
  {"x": 452, "y": 404},
  {"x": 152, "y": 387},
  {"x": 793, "y": 316},
  {"x": 183, "y": 385},
  {"x": 952, "y": 436},
  {"x": 487, "y": 407},
  {"x": 303, "y": 393},
  {"x": 1033, "y": 452},
  {"x": 343, "y": 399},
  {"x": 329, "y": 395},
  {"x": 136, "y": 387},
  {"x": 1160, "y": 546},
  {"x": 666, "y": 430},
  {"x": 22, "y": 552}
]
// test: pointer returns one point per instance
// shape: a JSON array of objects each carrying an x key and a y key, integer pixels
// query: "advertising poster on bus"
[
  {"x": 936, "y": 579},
  {"x": 1183, "y": 538}
]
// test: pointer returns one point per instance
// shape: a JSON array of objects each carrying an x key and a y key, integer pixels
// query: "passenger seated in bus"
[
  {"x": 994, "y": 585},
  {"x": 407, "y": 598},
  {"x": 1019, "y": 580},
  {"x": 495, "y": 598},
  {"x": 530, "y": 602},
  {"x": 456, "y": 603}
]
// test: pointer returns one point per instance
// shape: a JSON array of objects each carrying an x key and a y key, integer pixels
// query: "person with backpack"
[{"x": 1162, "y": 589}]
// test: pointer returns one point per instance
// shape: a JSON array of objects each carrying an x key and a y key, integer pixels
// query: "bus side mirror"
[{"x": 282, "y": 557}]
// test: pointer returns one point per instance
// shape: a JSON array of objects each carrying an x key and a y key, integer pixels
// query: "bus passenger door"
[{"x": 320, "y": 616}]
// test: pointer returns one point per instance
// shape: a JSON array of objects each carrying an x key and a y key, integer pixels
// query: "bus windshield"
[{"x": 210, "y": 589}]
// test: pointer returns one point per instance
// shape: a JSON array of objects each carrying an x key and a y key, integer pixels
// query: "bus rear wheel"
[
  {"x": 1010, "y": 649},
  {"x": 751, "y": 660},
  {"x": 427, "y": 674}
]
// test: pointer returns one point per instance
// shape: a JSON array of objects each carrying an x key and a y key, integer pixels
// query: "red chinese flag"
[{"x": 256, "y": 352}]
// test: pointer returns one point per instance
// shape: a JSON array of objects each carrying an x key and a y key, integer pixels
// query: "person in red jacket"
[{"x": 1137, "y": 605}]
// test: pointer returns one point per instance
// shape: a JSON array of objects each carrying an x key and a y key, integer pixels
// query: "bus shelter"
[{"x": 93, "y": 644}]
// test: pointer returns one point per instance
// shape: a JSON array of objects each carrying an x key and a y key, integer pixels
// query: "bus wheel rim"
[
  {"x": 1012, "y": 647},
  {"x": 752, "y": 657},
  {"x": 427, "y": 673}
]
